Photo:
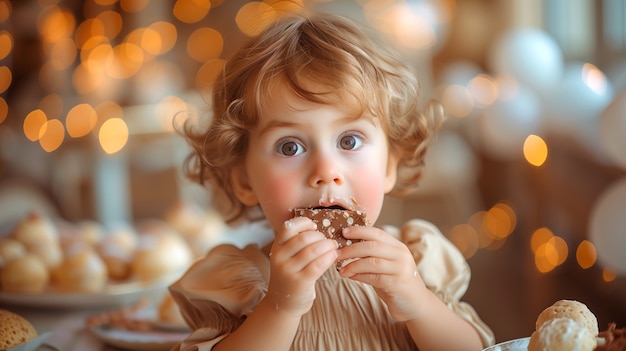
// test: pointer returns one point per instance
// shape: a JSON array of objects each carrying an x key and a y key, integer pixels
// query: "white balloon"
[
  {"x": 506, "y": 123},
  {"x": 530, "y": 55},
  {"x": 613, "y": 129},
  {"x": 606, "y": 228}
]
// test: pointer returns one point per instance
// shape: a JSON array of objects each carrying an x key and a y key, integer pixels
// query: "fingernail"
[{"x": 288, "y": 224}]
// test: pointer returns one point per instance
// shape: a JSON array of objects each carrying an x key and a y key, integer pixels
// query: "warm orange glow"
[
  {"x": 33, "y": 122},
  {"x": 191, "y": 11},
  {"x": 168, "y": 34},
  {"x": 107, "y": 110},
  {"x": 457, "y": 101},
  {"x": 254, "y": 16},
  {"x": 113, "y": 135},
  {"x": 535, "y": 150},
  {"x": 405, "y": 26},
  {"x": 51, "y": 135},
  {"x": 91, "y": 44},
  {"x": 586, "y": 254},
  {"x": 168, "y": 109},
  {"x": 546, "y": 257},
  {"x": 4, "y": 109},
  {"x": 90, "y": 29},
  {"x": 6, "y": 44},
  {"x": 63, "y": 54},
  {"x": 52, "y": 105},
  {"x": 465, "y": 237},
  {"x": 208, "y": 73},
  {"x": 483, "y": 89},
  {"x": 112, "y": 23},
  {"x": 5, "y": 11},
  {"x": 498, "y": 223},
  {"x": 551, "y": 250},
  {"x": 129, "y": 59},
  {"x": 608, "y": 275},
  {"x": 283, "y": 7},
  {"x": 133, "y": 5},
  {"x": 105, "y": 2},
  {"x": 561, "y": 248},
  {"x": 87, "y": 77},
  {"x": 5, "y": 78},
  {"x": 55, "y": 24},
  {"x": 205, "y": 44},
  {"x": 477, "y": 221},
  {"x": 151, "y": 42},
  {"x": 81, "y": 120},
  {"x": 540, "y": 237}
]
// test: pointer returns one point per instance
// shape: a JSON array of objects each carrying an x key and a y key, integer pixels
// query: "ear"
[
  {"x": 241, "y": 186},
  {"x": 391, "y": 175}
]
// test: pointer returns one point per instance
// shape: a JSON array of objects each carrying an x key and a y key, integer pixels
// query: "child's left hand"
[{"x": 387, "y": 264}]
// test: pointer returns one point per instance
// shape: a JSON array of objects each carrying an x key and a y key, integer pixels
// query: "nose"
[{"x": 325, "y": 170}]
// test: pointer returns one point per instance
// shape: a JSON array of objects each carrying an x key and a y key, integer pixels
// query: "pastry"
[
  {"x": 562, "y": 334},
  {"x": 572, "y": 309},
  {"x": 81, "y": 271},
  {"x": 14, "y": 330},
  {"x": 25, "y": 274},
  {"x": 160, "y": 252}
]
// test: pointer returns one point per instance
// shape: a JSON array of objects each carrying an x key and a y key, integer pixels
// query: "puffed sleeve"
[
  {"x": 217, "y": 293},
  {"x": 444, "y": 270}
]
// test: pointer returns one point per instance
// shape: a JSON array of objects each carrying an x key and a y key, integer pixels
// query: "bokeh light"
[
  {"x": 81, "y": 120},
  {"x": 586, "y": 254},
  {"x": 535, "y": 150},
  {"x": 51, "y": 135},
  {"x": 113, "y": 135},
  {"x": 6, "y": 44},
  {"x": 4, "y": 110},
  {"x": 33, "y": 123},
  {"x": 191, "y": 11},
  {"x": 254, "y": 16},
  {"x": 205, "y": 44}
]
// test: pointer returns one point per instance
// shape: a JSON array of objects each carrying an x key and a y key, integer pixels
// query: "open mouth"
[{"x": 334, "y": 207}]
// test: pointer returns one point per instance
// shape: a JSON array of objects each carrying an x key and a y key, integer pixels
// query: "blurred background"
[{"x": 527, "y": 177}]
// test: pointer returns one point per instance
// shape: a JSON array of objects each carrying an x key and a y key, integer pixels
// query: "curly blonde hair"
[{"x": 329, "y": 51}]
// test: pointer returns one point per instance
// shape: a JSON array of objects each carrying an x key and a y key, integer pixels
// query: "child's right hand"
[{"x": 299, "y": 256}]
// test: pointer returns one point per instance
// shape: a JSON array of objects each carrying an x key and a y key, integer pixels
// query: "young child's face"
[{"x": 303, "y": 154}]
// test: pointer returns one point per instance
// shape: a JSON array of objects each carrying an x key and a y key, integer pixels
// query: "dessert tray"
[
  {"x": 115, "y": 294},
  {"x": 520, "y": 344},
  {"x": 155, "y": 340},
  {"x": 33, "y": 345}
]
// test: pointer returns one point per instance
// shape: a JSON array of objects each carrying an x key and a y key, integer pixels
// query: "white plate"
[
  {"x": 511, "y": 345},
  {"x": 113, "y": 295},
  {"x": 33, "y": 344},
  {"x": 134, "y": 340}
]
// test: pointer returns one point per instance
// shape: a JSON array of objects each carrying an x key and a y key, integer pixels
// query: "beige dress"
[{"x": 218, "y": 291}]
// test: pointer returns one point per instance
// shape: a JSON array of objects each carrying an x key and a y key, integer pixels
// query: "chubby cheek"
[
  {"x": 370, "y": 194},
  {"x": 277, "y": 196}
]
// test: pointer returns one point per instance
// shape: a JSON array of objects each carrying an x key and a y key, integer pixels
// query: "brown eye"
[
  {"x": 290, "y": 148},
  {"x": 350, "y": 142}
]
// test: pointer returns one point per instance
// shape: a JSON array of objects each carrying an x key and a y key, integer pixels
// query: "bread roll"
[
  {"x": 35, "y": 229},
  {"x": 10, "y": 249},
  {"x": 575, "y": 310},
  {"x": 160, "y": 252},
  {"x": 25, "y": 274},
  {"x": 81, "y": 271},
  {"x": 14, "y": 330}
]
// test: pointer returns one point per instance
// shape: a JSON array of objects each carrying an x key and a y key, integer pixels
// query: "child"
[{"x": 312, "y": 114}]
